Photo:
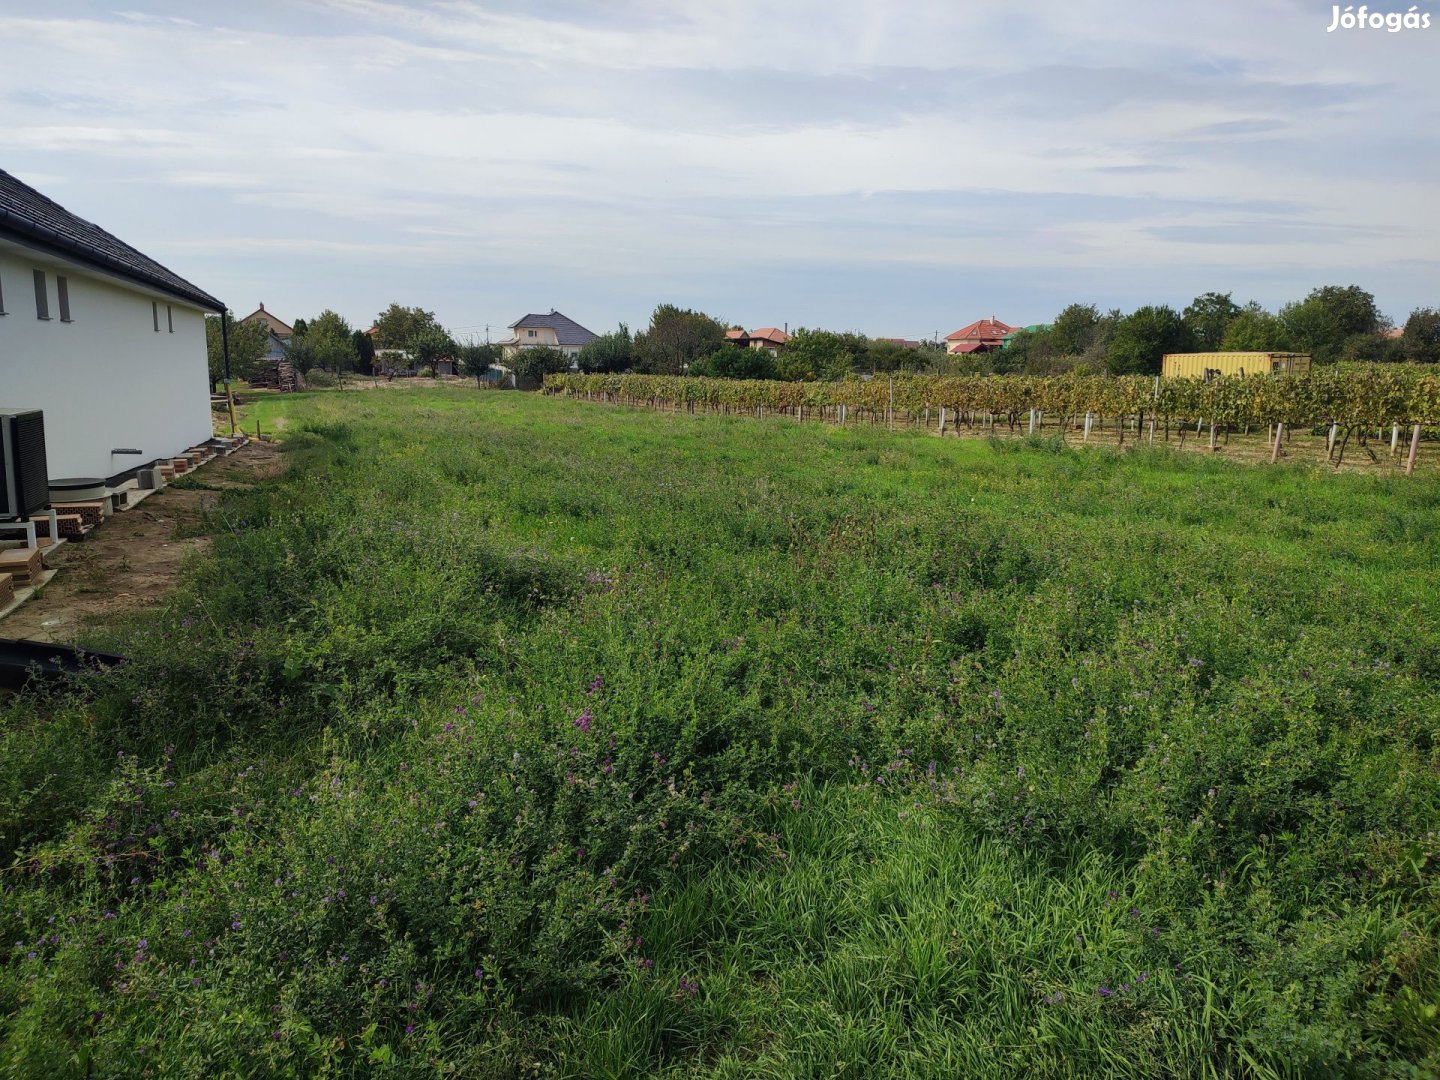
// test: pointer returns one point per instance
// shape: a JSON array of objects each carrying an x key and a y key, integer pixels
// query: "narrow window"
[
  {"x": 42, "y": 301},
  {"x": 170, "y": 317},
  {"x": 155, "y": 314},
  {"x": 62, "y": 290}
]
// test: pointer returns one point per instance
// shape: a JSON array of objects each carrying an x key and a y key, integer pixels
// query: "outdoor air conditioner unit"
[{"x": 24, "y": 476}]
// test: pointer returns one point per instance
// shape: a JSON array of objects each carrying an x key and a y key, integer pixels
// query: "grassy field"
[{"x": 512, "y": 736}]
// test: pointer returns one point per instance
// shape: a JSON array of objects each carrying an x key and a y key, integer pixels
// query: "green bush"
[{"x": 319, "y": 377}]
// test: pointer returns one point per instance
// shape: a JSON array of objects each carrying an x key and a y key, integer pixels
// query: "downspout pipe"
[{"x": 225, "y": 349}]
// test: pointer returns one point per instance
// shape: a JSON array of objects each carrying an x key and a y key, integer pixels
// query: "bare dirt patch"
[{"x": 130, "y": 562}]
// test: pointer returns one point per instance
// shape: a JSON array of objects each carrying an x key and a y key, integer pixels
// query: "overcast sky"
[{"x": 901, "y": 169}]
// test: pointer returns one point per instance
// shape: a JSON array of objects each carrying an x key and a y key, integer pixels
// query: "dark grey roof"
[
  {"x": 27, "y": 215},
  {"x": 567, "y": 330}
]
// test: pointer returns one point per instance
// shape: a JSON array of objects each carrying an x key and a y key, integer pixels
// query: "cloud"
[{"x": 343, "y": 149}]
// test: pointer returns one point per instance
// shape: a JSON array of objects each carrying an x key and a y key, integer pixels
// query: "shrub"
[{"x": 319, "y": 377}]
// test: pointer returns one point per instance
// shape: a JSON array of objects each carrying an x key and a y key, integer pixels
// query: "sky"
[{"x": 899, "y": 169}]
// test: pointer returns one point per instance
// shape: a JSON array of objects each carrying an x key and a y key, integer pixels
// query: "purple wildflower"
[{"x": 583, "y": 721}]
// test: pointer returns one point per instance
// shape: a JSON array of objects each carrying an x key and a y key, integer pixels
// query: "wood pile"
[{"x": 280, "y": 377}]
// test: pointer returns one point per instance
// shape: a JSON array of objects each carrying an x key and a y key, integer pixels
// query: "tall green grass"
[{"x": 507, "y": 735}]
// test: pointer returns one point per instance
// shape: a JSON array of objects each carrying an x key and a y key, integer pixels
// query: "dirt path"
[{"x": 130, "y": 562}]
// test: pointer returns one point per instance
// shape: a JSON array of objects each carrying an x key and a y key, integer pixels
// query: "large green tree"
[
  {"x": 728, "y": 362},
  {"x": 675, "y": 339},
  {"x": 1144, "y": 336},
  {"x": 428, "y": 344},
  {"x": 1255, "y": 330},
  {"x": 327, "y": 343},
  {"x": 820, "y": 354},
  {"x": 1208, "y": 316},
  {"x": 537, "y": 362},
  {"x": 608, "y": 352},
  {"x": 396, "y": 326},
  {"x": 1074, "y": 330},
  {"x": 1028, "y": 351},
  {"x": 475, "y": 359},
  {"x": 249, "y": 341},
  {"x": 1421, "y": 339},
  {"x": 364, "y": 351},
  {"x": 1324, "y": 322}
]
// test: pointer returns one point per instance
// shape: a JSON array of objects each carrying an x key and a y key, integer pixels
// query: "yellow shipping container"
[{"x": 1202, "y": 365}]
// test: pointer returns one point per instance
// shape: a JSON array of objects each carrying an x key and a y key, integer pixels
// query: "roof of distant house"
[
  {"x": 968, "y": 347},
  {"x": 1393, "y": 332},
  {"x": 277, "y": 326},
  {"x": 991, "y": 329},
  {"x": 736, "y": 334},
  {"x": 771, "y": 334},
  {"x": 31, "y": 218},
  {"x": 904, "y": 343},
  {"x": 567, "y": 330}
]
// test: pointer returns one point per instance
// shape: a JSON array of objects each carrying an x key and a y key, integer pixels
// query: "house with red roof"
[
  {"x": 983, "y": 335},
  {"x": 769, "y": 338}
]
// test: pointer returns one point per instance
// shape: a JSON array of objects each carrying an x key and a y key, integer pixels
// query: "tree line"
[
  {"x": 1333, "y": 323},
  {"x": 330, "y": 346}
]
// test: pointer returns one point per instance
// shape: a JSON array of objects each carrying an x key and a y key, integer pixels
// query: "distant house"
[
  {"x": 108, "y": 343},
  {"x": 272, "y": 368},
  {"x": 554, "y": 331},
  {"x": 904, "y": 343},
  {"x": 983, "y": 335},
  {"x": 282, "y": 330},
  {"x": 768, "y": 338}
]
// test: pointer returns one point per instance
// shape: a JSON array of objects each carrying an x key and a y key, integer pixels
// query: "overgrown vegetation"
[{"x": 505, "y": 735}]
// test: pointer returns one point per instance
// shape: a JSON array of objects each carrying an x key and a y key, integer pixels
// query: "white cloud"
[{"x": 611, "y": 142}]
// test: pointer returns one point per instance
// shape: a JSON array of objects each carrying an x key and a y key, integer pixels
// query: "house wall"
[
  {"x": 544, "y": 335},
  {"x": 107, "y": 380}
]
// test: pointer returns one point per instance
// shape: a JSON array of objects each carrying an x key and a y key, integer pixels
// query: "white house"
[
  {"x": 109, "y": 343},
  {"x": 553, "y": 331}
]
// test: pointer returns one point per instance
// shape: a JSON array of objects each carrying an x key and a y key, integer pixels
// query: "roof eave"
[{"x": 45, "y": 237}]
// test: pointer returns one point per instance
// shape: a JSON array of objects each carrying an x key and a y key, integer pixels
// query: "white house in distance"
[
  {"x": 553, "y": 330},
  {"x": 103, "y": 339}
]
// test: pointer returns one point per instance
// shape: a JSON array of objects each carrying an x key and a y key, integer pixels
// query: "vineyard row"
[{"x": 1343, "y": 399}]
